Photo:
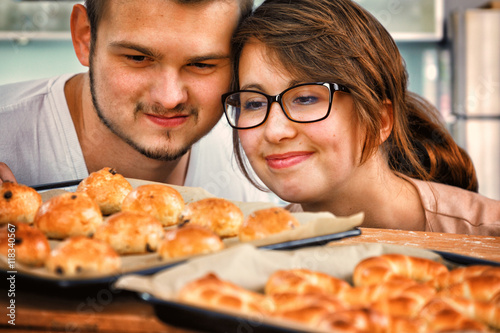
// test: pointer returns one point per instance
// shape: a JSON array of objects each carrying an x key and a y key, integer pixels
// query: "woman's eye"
[
  {"x": 253, "y": 105},
  {"x": 305, "y": 100}
]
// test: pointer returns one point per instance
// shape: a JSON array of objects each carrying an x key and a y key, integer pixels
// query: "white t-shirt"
[{"x": 38, "y": 141}]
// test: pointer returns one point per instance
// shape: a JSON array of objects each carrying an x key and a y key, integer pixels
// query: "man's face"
[{"x": 158, "y": 69}]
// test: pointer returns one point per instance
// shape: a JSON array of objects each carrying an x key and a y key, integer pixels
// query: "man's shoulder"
[{"x": 20, "y": 92}]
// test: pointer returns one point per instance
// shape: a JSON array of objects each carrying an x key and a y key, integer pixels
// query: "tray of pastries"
[
  {"x": 111, "y": 225},
  {"x": 352, "y": 288}
]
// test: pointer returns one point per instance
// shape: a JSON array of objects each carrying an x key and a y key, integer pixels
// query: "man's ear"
[
  {"x": 387, "y": 117},
  {"x": 80, "y": 33}
]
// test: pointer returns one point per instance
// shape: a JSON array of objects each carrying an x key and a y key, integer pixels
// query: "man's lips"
[
  {"x": 281, "y": 161},
  {"x": 168, "y": 120}
]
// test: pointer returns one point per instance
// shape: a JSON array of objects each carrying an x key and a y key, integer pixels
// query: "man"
[{"x": 157, "y": 70}]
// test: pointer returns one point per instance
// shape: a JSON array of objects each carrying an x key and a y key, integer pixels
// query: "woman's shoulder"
[{"x": 453, "y": 209}]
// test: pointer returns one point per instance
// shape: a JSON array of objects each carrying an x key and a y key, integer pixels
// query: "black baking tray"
[
  {"x": 205, "y": 320},
  {"x": 190, "y": 317},
  {"x": 105, "y": 280}
]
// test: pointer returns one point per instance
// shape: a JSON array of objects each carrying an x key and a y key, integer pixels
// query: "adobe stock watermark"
[{"x": 11, "y": 274}]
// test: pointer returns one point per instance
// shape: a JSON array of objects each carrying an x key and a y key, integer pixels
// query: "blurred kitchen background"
[{"x": 451, "y": 49}]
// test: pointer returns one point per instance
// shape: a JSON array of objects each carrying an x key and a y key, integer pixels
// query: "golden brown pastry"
[
  {"x": 265, "y": 222},
  {"x": 440, "y": 316},
  {"x": 18, "y": 203},
  {"x": 108, "y": 188},
  {"x": 306, "y": 308},
  {"x": 68, "y": 214},
  {"x": 381, "y": 268},
  {"x": 220, "y": 215},
  {"x": 210, "y": 291},
  {"x": 461, "y": 274},
  {"x": 162, "y": 201},
  {"x": 189, "y": 239},
  {"x": 80, "y": 255},
  {"x": 131, "y": 232},
  {"x": 27, "y": 245},
  {"x": 301, "y": 280},
  {"x": 369, "y": 321}
]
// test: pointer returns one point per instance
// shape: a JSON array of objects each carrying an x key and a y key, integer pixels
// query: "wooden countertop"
[{"x": 106, "y": 310}]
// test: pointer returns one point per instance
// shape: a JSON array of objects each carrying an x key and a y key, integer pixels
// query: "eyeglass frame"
[{"x": 332, "y": 87}]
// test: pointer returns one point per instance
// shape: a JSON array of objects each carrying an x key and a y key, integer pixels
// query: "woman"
[{"x": 345, "y": 135}]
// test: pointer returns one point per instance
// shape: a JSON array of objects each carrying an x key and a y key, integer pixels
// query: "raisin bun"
[
  {"x": 108, "y": 188},
  {"x": 131, "y": 232},
  {"x": 68, "y": 214},
  {"x": 266, "y": 222},
  {"x": 30, "y": 244},
  {"x": 18, "y": 203},
  {"x": 219, "y": 215},
  {"x": 162, "y": 201},
  {"x": 189, "y": 239},
  {"x": 80, "y": 255}
]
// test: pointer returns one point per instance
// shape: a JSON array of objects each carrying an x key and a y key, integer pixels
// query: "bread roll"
[
  {"x": 265, "y": 222},
  {"x": 131, "y": 232},
  {"x": 219, "y": 215},
  {"x": 374, "y": 270},
  {"x": 18, "y": 203},
  {"x": 80, "y": 255},
  {"x": 68, "y": 214},
  {"x": 162, "y": 201},
  {"x": 187, "y": 240},
  {"x": 27, "y": 245},
  {"x": 107, "y": 187}
]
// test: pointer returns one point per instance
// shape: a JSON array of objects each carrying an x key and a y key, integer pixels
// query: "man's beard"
[{"x": 158, "y": 154}]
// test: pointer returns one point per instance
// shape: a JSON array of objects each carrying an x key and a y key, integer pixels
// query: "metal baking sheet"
[{"x": 86, "y": 282}]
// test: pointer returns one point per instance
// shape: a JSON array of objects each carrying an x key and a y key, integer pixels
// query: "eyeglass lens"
[{"x": 302, "y": 103}]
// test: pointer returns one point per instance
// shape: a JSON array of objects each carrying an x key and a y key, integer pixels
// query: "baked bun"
[
  {"x": 68, "y": 214},
  {"x": 265, "y": 222},
  {"x": 28, "y": 245},
  {"x": 131, "y": 232},
  {"x": 162, "y": 201},
  {"x": 108, "y": 188},
  {"x": 18, "y": 203},
  {"x": 79, "y": 255},
  {"x": 219, "y": 215},
  {"x": 189, "y": 239}
]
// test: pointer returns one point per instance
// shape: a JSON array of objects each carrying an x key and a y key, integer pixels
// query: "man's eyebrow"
[
  {"x": 208, "y": 57},
  {"x": 146, "y": 51}
]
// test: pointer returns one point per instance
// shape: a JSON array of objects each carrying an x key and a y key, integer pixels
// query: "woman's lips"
[
  {"x": 281, "y": 161},
  {"x": 170, "y": 121}
]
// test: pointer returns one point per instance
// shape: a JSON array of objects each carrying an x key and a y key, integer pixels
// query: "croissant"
[
  {"x": 484, "y": 312},
  {"x": 307, "y": 308},
  {"x": 461, "y": 274},
  {"x": 210, "y": 291},
  {"x": 374, "y": 270},
  {"x": 479, "y": 288},
  {"x": 369, "y": 321},
  {"x": 303, "y": 281},
  {"x": 440, "y": 316}
]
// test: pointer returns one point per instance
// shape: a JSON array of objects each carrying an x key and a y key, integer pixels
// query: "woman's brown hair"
[{"x": 338, "y": 41}]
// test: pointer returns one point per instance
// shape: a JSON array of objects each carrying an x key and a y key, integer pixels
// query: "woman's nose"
[{"x": 277, "y": 126}]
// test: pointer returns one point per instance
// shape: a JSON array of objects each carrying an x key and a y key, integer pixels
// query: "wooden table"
[{"x": 107, "y": 310}]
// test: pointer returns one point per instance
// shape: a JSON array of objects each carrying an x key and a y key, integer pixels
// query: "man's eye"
[
  {"x": 201, "y": 65},
  {"x": 136, "y": 58}
]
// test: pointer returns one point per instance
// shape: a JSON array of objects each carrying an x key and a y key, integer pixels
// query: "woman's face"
[{"x": 305, "y": 163}]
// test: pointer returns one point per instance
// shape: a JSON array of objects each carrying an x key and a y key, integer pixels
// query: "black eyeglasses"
[{"x": 303, "y": 103}]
